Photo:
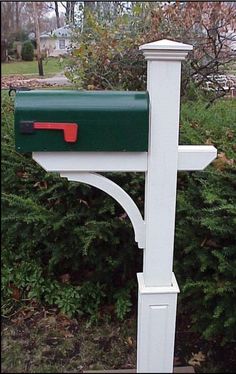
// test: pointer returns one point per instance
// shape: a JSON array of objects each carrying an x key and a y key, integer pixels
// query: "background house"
[{"x": 56, "y": 42}]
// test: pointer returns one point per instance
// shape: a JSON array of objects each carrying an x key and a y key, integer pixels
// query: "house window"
[{"x": 62, "y": 44}]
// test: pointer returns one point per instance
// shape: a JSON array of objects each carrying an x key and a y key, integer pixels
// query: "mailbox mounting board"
[{"x": 107, "y": 120}]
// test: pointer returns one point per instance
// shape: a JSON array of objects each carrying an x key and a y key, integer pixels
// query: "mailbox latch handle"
[{"x": 70, "y": 130}]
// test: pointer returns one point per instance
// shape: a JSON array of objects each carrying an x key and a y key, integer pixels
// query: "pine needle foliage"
[
  {"x": 72, "y": 246},
  {"x": 205, "y": 241}
]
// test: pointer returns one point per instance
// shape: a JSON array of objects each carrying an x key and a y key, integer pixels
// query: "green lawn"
[
  {"x": 51, "y": 66},
  {"x": 231, "y": 68}
]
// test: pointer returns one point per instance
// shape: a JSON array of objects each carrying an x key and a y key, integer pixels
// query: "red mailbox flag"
[{"x": 70, "y": 130}]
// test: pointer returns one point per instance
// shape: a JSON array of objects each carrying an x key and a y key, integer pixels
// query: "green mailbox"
[{"x": 81, "y": 121}]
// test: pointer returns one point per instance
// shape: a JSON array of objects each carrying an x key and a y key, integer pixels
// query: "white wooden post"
[
  {"x": 163, "y": 84},
  {"x": 157, "y": 286}
]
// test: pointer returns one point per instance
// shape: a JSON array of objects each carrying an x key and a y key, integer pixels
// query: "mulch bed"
[
  {"x": 36, "y": 339},
  {"x": 21, "y": 80}
]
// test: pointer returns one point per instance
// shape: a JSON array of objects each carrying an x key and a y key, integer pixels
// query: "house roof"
[{"x": 64, "y": 31}]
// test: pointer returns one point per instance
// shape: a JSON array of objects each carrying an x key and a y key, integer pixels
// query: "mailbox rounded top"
[{"x": 61, "y": 100}]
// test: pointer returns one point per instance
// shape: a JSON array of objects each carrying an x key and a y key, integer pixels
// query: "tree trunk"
[
  {"x": 17, "y": 16},
  {"x": 70, "y": 11},
  {"x": 67, "y": 15},
  {"x": 37, "y": 33},
  {"x": 57, "y": 14},
  {"x": 10, "y": 13}
]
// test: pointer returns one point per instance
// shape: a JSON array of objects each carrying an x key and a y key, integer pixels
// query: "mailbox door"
[{"x": 103, "y": 120}]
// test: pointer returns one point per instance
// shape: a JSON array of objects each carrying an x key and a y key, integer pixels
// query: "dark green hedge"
[
  {"x": 27, "y": 52},
  {"x": 205, "y": 242},
  {"x": 70, "y": 245}
]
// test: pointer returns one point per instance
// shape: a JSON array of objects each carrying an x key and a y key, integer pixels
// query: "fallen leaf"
[
  {"x": 83, "y": 202},
  {"x": 107, "y": 61},
  {"x": 222, "y": 161},
  {"x": 229, "y": 134},
  {"x": 197, "y": 359},
  {"x": 209, "y": 141},
  {"x": 41, "y": 185},
  {"x": 64, "y": 321},
  {"x": 130, "y": 341},
  {"x": 16, "y": 294},
  {"x": 22, "y": 174},
  {"x": 48, "y": 321},
  {"x": 194, "y": 125},
  {"x": 122, "y": 216},
  {"x": 67, "y": 334},
  {"x": 65, "y": 278}
]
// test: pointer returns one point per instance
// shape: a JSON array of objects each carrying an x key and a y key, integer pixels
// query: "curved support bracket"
[{"x": 118, "y": 194}]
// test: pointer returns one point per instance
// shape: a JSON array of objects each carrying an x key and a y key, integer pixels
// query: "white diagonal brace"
[{"x": 118, "y": 194}]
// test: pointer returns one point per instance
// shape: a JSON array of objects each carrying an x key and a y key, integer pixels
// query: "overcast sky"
[{"x": 60, "y": 7}]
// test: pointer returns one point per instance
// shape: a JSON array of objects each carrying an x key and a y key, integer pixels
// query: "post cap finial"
[{"x": 165, "y": 50}]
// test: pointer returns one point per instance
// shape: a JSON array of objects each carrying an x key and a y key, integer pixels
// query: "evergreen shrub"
[
  {"x": 205, "y": 241},
  {"x": 27, "y": 52},
  {"x": 71, "y": 246}
]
